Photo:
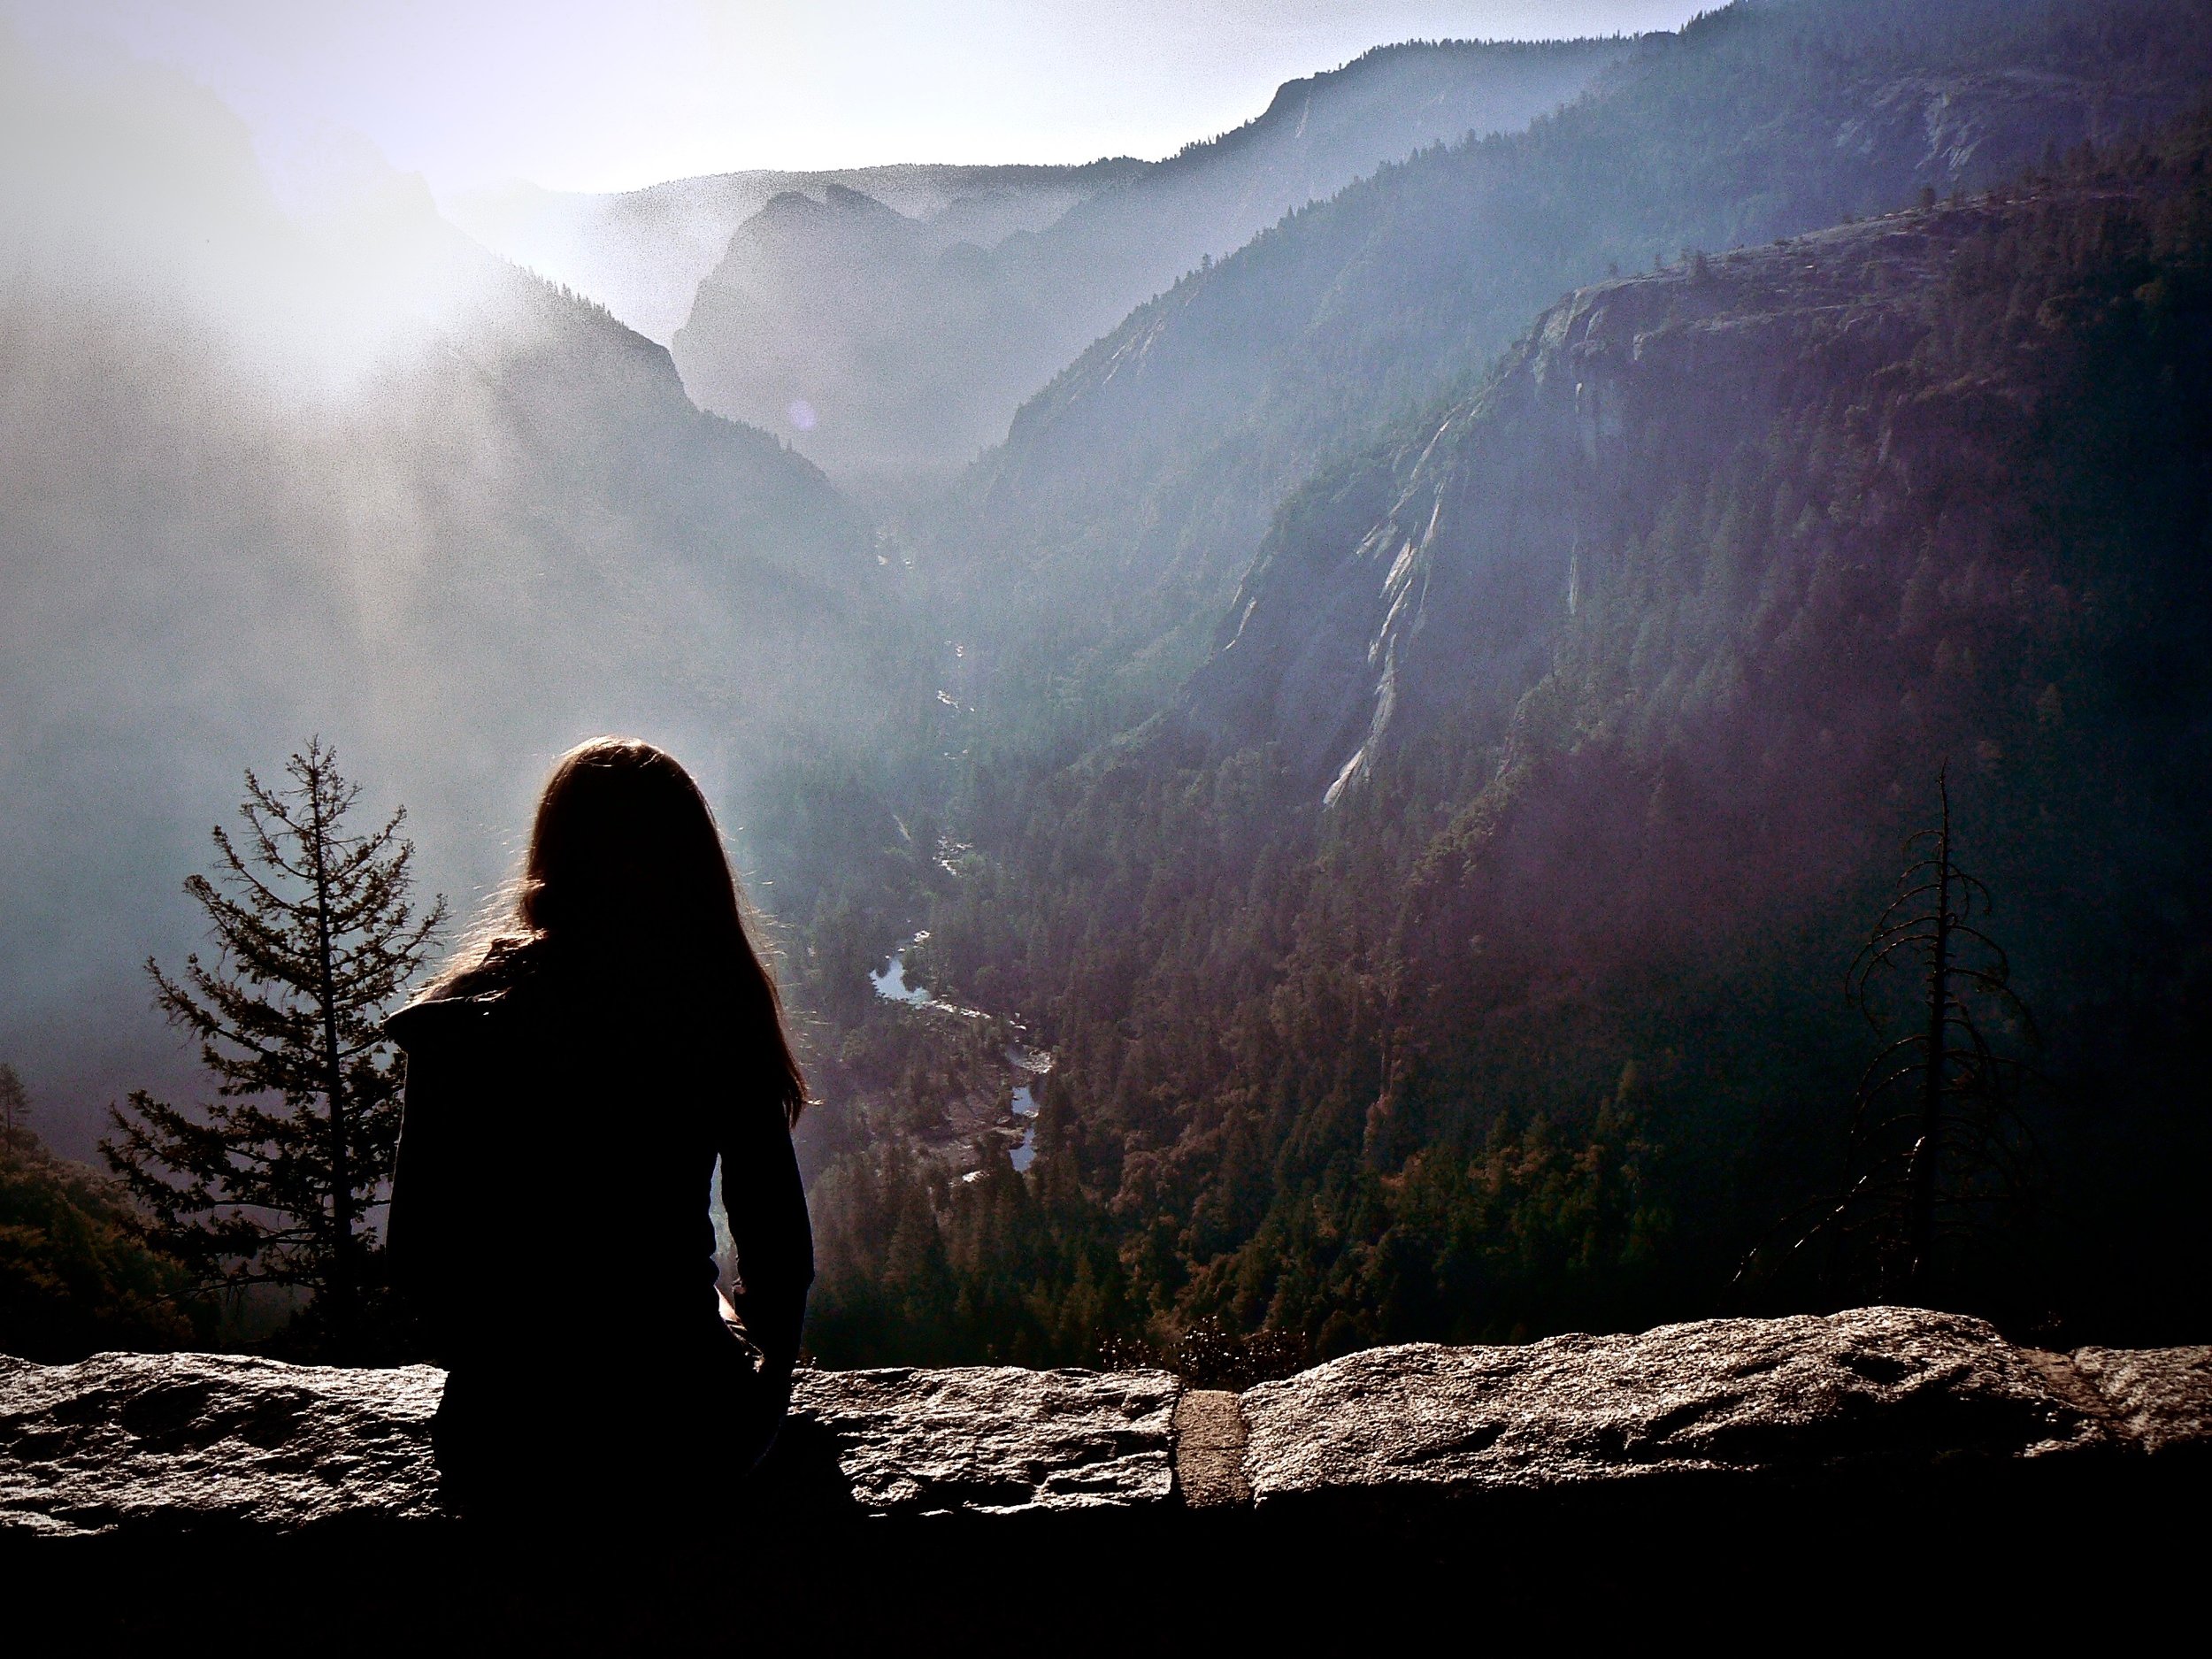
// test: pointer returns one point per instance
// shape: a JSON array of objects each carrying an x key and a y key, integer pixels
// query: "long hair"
[{"x": 626, "y": 872}]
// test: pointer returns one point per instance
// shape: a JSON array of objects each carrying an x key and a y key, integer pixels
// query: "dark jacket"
[{"x": 550, "y": 1208}]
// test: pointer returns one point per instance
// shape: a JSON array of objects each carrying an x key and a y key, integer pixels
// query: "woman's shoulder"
[{"x": 497, "y": 984}]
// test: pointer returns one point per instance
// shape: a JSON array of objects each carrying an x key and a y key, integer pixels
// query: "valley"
[
  {"x": 974, "y": 1126},
  {"x": 1432, "y": 877}
]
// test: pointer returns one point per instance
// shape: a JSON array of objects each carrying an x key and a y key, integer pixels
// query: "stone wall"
[{"x": 1386, "y": 1458}]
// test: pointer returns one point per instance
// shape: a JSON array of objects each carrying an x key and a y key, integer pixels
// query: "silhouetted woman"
[{"x": 569, "y": 1085}]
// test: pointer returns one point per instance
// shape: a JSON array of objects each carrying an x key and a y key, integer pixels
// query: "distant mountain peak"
[{"x": 925, "y": 357}]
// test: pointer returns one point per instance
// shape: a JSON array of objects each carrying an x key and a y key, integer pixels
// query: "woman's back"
[
  {"x": 568, "y": 1095},
  {"x": 566, "y": 1138}
]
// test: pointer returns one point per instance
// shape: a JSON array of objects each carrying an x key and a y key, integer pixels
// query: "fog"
[
  {"x": 643, "y": 253},
  {"x": 315, "y": 463},
  {"x": 887, "y": 321}
]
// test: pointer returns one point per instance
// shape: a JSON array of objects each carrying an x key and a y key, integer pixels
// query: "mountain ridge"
[
  {"x": 1133, "y": 489},
  {"x": 912, "y": 350},
  {"x": 644, "y": 252},
  {"x": 1650, "y": 654},
  {"x": 1577, "y": 377}
]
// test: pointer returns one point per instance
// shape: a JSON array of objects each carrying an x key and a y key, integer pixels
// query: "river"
[{"x": 1025, "y": 1065}]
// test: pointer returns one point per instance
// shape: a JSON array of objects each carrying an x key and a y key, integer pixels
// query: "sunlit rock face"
[
  {"x": 1875, "y": 1389},
  {"x": 985, "y": 1440},
  {"x": 176, "y": 1442},
  {"x": 169, "y": 1445}
]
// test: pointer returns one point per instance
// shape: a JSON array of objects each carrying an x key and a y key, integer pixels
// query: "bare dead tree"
[
  {"x": 1936, "y": 1142},
  {"x": 1935, "y": 1131}
]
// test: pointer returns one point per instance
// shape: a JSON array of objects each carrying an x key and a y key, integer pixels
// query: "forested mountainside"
[
  {"x": 906, "y": 342},
  {"x": 643, "y": 253},
  {"x": 1094, "y": 550},
  {"x": 1644, "y": 658},
  {"x": 268, "y": 478}
]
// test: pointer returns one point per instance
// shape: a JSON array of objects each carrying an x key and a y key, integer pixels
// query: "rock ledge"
[{"x": 173, "y": 1445}]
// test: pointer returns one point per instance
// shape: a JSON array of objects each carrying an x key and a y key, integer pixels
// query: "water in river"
[
  {"x": 1026, "y": 1064},
  {"x": 1025, "y": 1106},
  {"x": 891, "y": 981}
]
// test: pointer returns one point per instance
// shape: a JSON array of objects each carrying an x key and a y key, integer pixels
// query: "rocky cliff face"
[{"x": 1487, "y": 539}]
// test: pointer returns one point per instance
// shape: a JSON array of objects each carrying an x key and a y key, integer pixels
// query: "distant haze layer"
[
  {"x": 892, "y": 347},
  {"x": 576, "y": 94}
]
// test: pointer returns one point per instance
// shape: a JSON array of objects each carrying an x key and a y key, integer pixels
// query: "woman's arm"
[
  {"x": 768, "y": 1222},
  {"x": 422, "y": 1235}
]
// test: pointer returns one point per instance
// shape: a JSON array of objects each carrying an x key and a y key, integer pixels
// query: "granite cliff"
[{"x": 1441, "y": 578}]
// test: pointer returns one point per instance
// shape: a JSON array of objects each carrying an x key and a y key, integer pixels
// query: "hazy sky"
[{"x": 607, "y": 94}]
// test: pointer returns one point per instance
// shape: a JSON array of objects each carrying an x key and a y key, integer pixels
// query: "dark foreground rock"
[{"x": 922, "y": 1500}]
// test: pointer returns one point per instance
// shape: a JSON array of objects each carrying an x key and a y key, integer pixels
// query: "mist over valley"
[{"x": 353, "y": 476}]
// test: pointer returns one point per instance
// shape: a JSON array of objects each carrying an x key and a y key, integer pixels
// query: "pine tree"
[
  {"x": 316, "y": 936},
  {"x": 15, "y": 1108}
]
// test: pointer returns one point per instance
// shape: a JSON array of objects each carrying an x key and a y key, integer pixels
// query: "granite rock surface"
[
  {"x": 153, "y": 1446},
  {"x": 1805, "y": 1396},
  {"x": 194, "y": 1442},
  {"x": 985, "y": 1439},
  {"x": 2159, "y": 1398},
  {"x": 200, "y": 1442}
]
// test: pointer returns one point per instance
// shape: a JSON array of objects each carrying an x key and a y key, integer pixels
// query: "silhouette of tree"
[
  {"x": 316, "y": 936},
  {"x": 15, "y": 1107},
  {"x": 1934, "y": 1134}
]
